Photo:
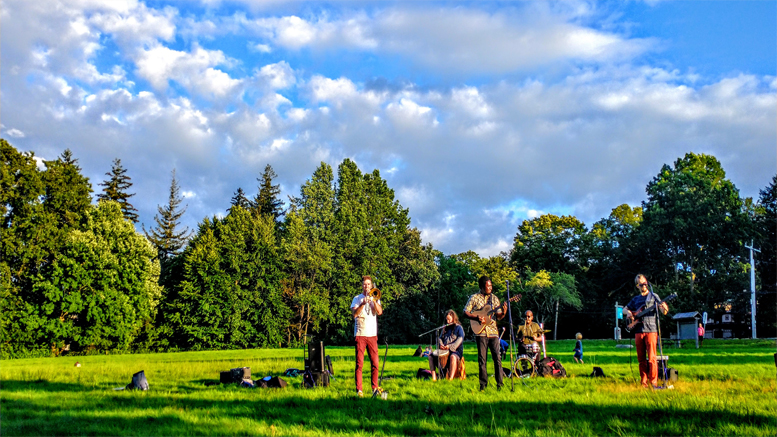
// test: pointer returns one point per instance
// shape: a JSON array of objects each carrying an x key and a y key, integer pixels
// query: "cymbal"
[{"x": 545, "y": 331}]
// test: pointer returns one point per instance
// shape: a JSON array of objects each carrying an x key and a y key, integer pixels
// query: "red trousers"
[
  {"x": 646, "y": 354},
  {"x": 371, "y": 344}
]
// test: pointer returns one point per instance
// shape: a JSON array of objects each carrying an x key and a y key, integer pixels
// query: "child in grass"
[{"x": 579, "y": 348}]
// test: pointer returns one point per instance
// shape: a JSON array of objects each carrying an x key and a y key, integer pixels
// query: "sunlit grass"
[{"x": 725, "y": 388}]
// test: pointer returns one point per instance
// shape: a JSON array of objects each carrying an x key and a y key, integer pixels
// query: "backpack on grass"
[{"x": 551, "y": 367}]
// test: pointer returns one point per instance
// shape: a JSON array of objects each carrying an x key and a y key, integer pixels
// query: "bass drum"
[{"x": 524, "y": 367}]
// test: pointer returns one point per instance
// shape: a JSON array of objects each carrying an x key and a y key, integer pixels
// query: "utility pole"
[{"x": 752, "y": 286}]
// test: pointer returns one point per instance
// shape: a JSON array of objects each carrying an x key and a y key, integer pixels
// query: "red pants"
[
  {"x": 646, "y": 354},
  {"x": 371, "y": 344}
]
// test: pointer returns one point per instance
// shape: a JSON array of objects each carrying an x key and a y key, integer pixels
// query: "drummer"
[
  {"x": 529, "y": 334},
  {"x": 450, "y": 347}
]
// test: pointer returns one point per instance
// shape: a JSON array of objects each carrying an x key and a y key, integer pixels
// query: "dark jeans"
[{"x": 492, "y": 343}]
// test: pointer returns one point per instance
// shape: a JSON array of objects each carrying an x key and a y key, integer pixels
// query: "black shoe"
[{"x": 482, "y": 388}]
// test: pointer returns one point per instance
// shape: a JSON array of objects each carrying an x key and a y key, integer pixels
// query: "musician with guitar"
[
  {"x": 645, "y": 326},
  {"x": 481, "y": 309}
]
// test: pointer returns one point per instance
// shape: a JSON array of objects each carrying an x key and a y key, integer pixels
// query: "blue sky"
[{"x": 479, "y": 114}]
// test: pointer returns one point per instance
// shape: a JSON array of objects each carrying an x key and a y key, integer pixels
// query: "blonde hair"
[{"x": 578, "y": 336}]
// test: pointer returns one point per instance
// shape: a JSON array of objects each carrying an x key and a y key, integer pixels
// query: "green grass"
[{"x": 725, "y": 388}]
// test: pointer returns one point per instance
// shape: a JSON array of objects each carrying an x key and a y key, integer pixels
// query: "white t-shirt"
[{"x": 366, "y": 323}]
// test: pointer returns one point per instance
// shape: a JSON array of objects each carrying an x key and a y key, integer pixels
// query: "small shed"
[{"x": 686, "y": 326}]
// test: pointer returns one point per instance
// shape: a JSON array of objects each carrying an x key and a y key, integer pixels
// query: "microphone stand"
[
  {"x": 510, "y": 317},
  {"x": 658, "y": 325}
]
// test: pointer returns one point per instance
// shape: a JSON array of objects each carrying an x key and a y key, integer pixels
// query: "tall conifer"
[
  {"x": 115, "y": 188},
  {"x": 240, "y": 199},
  {"x": 166, "y": 237},
  {"x": 267, "y": 201}
]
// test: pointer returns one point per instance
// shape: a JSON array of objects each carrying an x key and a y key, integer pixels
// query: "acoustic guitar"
[
  {"x": 642, "y": 312},
  {"x": 488, "y": 313}
]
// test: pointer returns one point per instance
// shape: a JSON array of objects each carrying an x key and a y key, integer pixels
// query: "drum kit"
[{"x": 525, "y": 365}]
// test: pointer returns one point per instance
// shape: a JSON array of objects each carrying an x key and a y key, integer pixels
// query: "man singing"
[
  {"x": 365, "y": 311},
  {"x": 646, "y": 332},
  {"x": 489, "y": 337}
]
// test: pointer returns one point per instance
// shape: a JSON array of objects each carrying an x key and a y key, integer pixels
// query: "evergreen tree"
[
  {"x": 267, "y": 201},
  {"x": 68, "y": 192},
  {"x": 166, "y": 236},
  {"x": 115, "y": 188},
  {"x": 240, "y": 199}
]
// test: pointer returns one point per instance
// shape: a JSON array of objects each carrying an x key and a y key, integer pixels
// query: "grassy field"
[{"x": 725, "y": 388}]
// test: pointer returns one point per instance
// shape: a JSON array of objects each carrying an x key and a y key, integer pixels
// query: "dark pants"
[
  {"x": 492, "y": 343},
  {"x": 371, "y": 344}
]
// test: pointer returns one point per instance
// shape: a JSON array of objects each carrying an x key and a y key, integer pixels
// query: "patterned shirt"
[{"x": 479, "y": 301}]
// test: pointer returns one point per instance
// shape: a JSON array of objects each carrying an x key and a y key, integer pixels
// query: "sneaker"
[
  {"x": 360, "y": 394},
  {"x": 377, "y": 391}
]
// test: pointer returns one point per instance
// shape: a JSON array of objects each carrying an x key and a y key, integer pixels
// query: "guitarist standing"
[
  {"x": 646, "y": 337},
  {"x": 488, "y": 338}
]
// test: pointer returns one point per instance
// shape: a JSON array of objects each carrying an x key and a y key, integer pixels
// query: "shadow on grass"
[{"x": 328, "y": 411}]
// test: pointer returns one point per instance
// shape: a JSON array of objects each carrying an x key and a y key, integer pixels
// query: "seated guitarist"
[
  {"x": 646, "y": 337},
  {"x": 488, "y": 338},
  {"x": 528, "y": 333},
  {"x": 451, "y": 342}
]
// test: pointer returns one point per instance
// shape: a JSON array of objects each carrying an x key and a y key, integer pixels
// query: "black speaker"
[
  {"x": 671, "y": 374},
  {"x": 316, "y": 361},
  {"x": 321, "y": 378},
  {"x": 235, "y": 375},
  {"x": 329, "y": 365}
]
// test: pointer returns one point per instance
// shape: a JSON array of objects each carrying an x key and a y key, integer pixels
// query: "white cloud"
[
  {"x": 293, "y": 32},
  {"x": 325, "y": 89},
  {"x": 15, "y": 133},
  {"x": 194, "y": 70},
  {"x": 261, "y": 48},
  {"x": 544, "y": 140},
  {"x": 136, "y": 24},
  {"x": 188, "y": 194},
  {"x": 277, "y": 76}
]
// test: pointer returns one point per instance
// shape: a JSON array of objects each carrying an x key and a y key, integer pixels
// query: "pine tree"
[
  {"x": 116, "y": 189},
  {"x": 240, "y": 199},
  {"x": 267, "y": 200},
  {"x": 165, "y": 236}
]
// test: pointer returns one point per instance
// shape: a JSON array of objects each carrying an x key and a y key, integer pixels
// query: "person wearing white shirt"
[{"x": 365, "y": 328}]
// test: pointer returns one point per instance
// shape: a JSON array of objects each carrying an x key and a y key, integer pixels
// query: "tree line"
[{"x": 77, "y": 277}]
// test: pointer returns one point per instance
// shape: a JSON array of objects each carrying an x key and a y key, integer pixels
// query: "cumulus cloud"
[
  {"x": 194, "y": 70},
  {"x": 470, "y": 158},
  {"x": 277, "y": 76}
]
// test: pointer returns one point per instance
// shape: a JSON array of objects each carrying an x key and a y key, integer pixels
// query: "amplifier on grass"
[{"x": 235, "y": 375}]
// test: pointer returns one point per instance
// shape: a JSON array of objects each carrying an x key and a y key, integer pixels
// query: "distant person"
[
  {"x": 579, "y": 348},
  {"x": 426, "y": 352},
  {"x": 701, "y": 332},
  {"x": 365, "y": 328},
  {"x": 450, "y": 344},
  {"x": 646, "y": 332},
  {"x": 481, "y": 308}
]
